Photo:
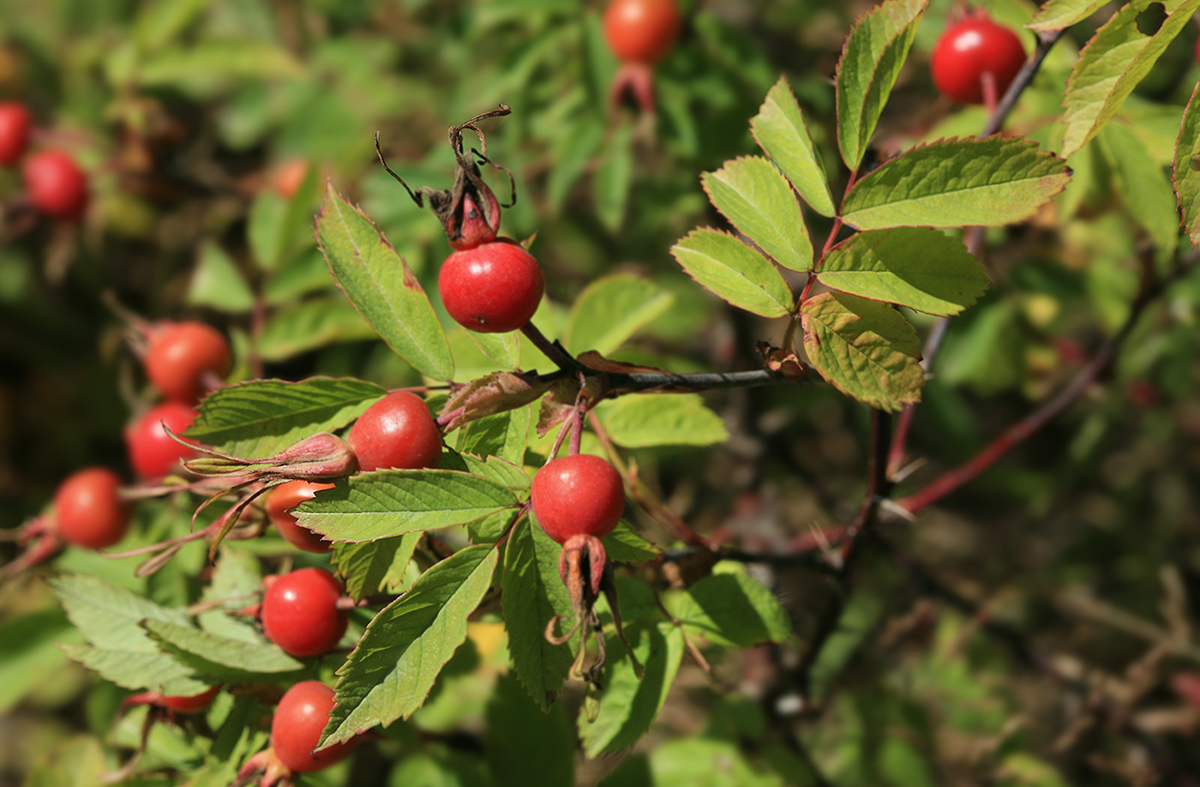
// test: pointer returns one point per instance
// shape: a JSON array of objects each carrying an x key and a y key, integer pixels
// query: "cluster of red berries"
[
  {"x": 640, "y": 33},
  {"x": 54, "y": 183}
]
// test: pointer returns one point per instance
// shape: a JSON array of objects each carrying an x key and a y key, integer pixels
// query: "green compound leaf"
[
  {"x": 533, "y": 594},
  {"x": 779, "y": 129},
  {"x": 108, "y": 616},
  {"x": 871, "y": 60},
  {"x": 386, "y": 503},
  {"x": 381, "y": 286},
  {"x": 957, "y": 183},
  {"x": 235, "y": 660},
  {"x": 612, "y": 309},
  {"x": 1186, "y": 172},
  {"x": 504, "y": 435},
  {"x": 626, "y": 545},
  {"x": 628, "y": 705},
  {"x": 1112, "y": 64},
  {"x": 1060, "y": 14},
  {"x": 1142, "y": 184},
  {"x": 262, "y": 417},
  {"x": 866, "y": 349},
  {"x": 733, "y": 271},
  {"x": 922, "y": 269},
  {"x": 759, "y": 201},
  {"x": 371, "y": 566},
  {"x": 643, "y": 420},
  {"x": 731, "y": 609},
  {"x": 405, "y": 646}
]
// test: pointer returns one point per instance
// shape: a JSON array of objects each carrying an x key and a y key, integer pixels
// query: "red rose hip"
[
  {"x": 641, "y": 31},
  {"x": 193, "y": 704},
  {"x": 300, "y": 614},
  {"x": 396, "y": 432},
  {"x": 89, "y": 510},
  {"x": 578, "y": 495},
  {"x": 492, "y": 288},
  {"x": 182, "y": 356},
  {"x": 287, "y": 496},
  {"x": 56, "y": 185},
  {"x": 969, "y": 51},
  {"x": 299, "y": 719},
  {"x": 152, "y": 452},
  {"x": 15, "y": 124}
]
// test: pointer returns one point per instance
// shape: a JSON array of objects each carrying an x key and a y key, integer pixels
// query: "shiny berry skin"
[
  {"x": 152, "y": 452},
  {"x": 193, "y": 704},
  {"x": 971, "y": 48},
  {"x": 89, "y": 511},
  {"x": 300, "y": 614},
  {"x": 641, "y": 31},
  {"x": 181, "y": 355},
  {"x": 299, "y": 719},
  {"x": 578, "y": 495},
  {"x": 396, "y": 432},
  {"x": 492, "y": 288},
  {"x": 15, "y": 125},
  {"x": 287, "y": 496},
  {"x": 56, "y": 185}
]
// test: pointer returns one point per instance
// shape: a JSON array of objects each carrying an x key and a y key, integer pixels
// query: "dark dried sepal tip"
[{"x": 469, "y": 211}]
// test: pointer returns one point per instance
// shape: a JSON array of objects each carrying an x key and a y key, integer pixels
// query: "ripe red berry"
[
  {"x": 396, "y": 432},
  {"x": 300, "y": 614},
  {"x": 578, "y": 495},
  {"x": 56, "y": 184},
  {"x": 152, "y": 452},
  {"x": 193, "y": 704},
  {"x": 15, "y": 125},
  {"x": 492, "y": 288},
  {"x": 641, "y": 31},
  {"x": 89, "y": 510},
  {"x": 287, "y": 496},
  {"x": 299, "y": 719},
  {"x": 181, "y": 355},
  {"x": 970, "y": 49}
]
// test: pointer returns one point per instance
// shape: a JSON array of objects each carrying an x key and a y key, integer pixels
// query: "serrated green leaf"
[
  {"x": 865, "y": 349},
  {"x": 262, "y": 417},
  {"x": 625, "y": 545},
  {"x": 780, "y": 130},
  {"x": 957, "y": 183},
  {"x": 524, "y": 744},
  {"x": 497, "y": 468},
  {"x": 612, "y": 309},
  {"x": 368, "y": 567},
  {"x": 379, "y": 283},
  {"x": 643, "y": 420},
  {"x": 759, "y": 201},
  {"x": 533, "y": 593},
  {"x": 503, "y": 348},
  {"x": 136, "y": 670},
  {"x": 731, "y": 609},
  {"x": 1186, "y": 172},
  {"x": 236, "y": 577},
  {"x": 503, "y": 434},
  {"x": 1112, "y": 64},
  {"x": 871, "y": 60},
  {"x": 732, "y": 270},
  {"x": 1142, "y": 184},
  {"x": 1060, "y": 14},
  {"x": 217, "y": 282},
  {"x": 923, "y": 269},
  {"x": 628, "y": 705},
  {"x": 305, "y": 326},
  {"x": 405, "y": 646},
  {"x": 613, "y": 178},
  {"x": 108, "y": 616},
  {"x": 228, "y": 659},
  {"x": 385, "y": 503}
]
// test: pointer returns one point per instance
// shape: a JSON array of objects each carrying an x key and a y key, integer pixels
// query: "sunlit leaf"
[
  {"x": 780, "y": 130},
  {"x": 734, "y": 271},
  {"x": 759, "y": 201}
]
